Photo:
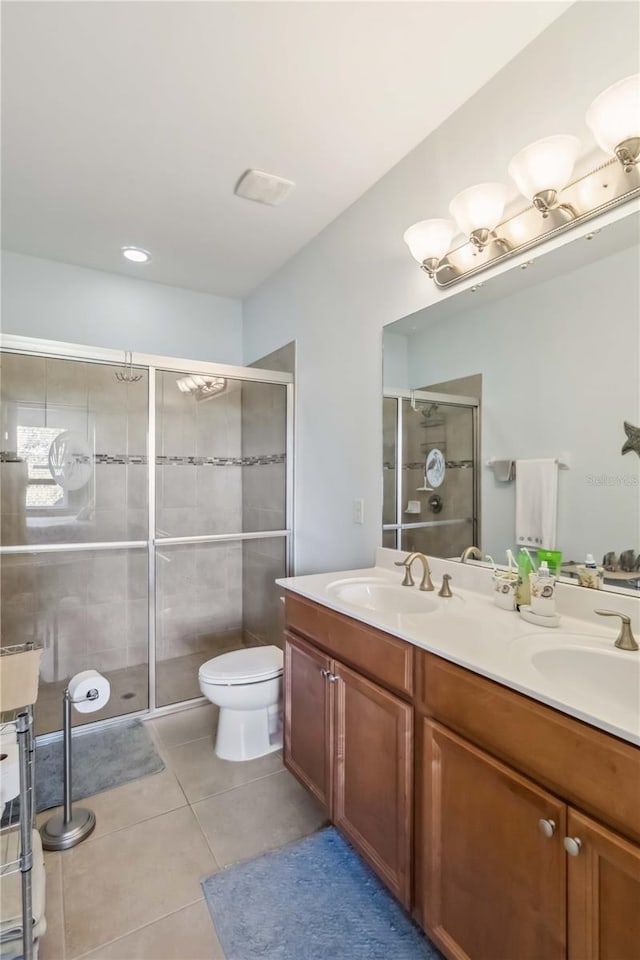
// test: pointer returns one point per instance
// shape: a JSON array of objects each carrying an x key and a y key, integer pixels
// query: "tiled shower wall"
[
  {"x": 198, "y": 492},
  {"x": 263, "y": 500}
]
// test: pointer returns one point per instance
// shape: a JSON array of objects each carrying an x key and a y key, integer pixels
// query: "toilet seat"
[{"x": 249, "y": 665}]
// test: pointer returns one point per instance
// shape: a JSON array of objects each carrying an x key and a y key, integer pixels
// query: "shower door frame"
[
  {"x": 452, "y": 400},
  {"x": 152, "y": 363}
]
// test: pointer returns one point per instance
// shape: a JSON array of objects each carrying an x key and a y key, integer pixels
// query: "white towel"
[{"x": 536, "y": 503}]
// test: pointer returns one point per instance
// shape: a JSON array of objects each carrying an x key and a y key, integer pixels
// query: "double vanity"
[{"x": 488, "y": 770}]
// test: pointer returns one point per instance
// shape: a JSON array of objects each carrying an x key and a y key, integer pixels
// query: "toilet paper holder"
[{"x": 66, "y": 829}]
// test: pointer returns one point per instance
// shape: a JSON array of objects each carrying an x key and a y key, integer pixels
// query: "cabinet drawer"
[
  {"x": 595, "y": 771},
  {"x": 377, "y": 655}
]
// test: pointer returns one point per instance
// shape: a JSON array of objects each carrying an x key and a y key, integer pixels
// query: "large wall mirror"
[{"x": 550, "y": 356}]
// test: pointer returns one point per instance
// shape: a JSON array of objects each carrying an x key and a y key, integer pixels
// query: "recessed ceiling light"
[
  {"x": 263, "y": 187},
  {"x": 136, "y": 254}
]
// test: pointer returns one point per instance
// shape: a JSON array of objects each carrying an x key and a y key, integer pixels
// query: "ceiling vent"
[{"x": 263, "y": 187}]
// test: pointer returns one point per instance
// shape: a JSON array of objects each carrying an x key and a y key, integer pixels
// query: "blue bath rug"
[
  {"x": 101, "y": 760},
  {"x": 312, "y": 900}
]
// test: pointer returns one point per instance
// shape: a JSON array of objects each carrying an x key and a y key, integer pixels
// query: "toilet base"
[{"x": 248, "y": 734}]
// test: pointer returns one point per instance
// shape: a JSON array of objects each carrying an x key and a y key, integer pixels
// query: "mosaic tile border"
[
  {"x": 103, "y": 459},
  {"x": 259, "y": 461}
]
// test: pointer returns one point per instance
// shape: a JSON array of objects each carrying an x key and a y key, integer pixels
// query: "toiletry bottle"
[
  {"x": 523, "y": 590},
  {"x": 590, "y": 574},
  {"x": 543, "y": 591}
]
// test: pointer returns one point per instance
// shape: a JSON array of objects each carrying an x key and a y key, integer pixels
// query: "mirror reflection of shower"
[{"x": 431, "y": 441}]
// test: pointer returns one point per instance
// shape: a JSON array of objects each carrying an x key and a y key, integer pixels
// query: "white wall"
[
  {"x": 559, "y": 363},
  {"x": 334, "y": 297},
  {"x": 396, "y": 362},
  {"x": 58, "y": 301}
]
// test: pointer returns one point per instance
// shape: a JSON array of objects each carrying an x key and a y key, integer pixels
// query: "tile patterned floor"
[{"x": 132, "y": 890}]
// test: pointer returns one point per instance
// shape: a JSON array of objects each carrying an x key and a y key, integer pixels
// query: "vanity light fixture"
[
  {"x": 614, "y": 120},
  {"x": 544, "y": 168},
  {"x": 136, "y": 254},
  {"x": 428, "y": 242},
  {"x": 478, "y": 210},
  {"x": 201, "y": 387},
  {"x": 542, "y": 172}
]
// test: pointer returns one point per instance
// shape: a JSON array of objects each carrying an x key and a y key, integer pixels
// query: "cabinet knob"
[
  {"x": 331, "y": 677},
  {"x": 573, "y": 846},
  {"x": 547, "y": 827},
  {"x": 324, "y": 673}
]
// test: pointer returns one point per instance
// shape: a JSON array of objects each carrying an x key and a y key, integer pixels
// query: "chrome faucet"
[
  {"x": 426, "y": 583},
  {"x": 626, "y": 639},
  {"x": 471, "y": 553}
]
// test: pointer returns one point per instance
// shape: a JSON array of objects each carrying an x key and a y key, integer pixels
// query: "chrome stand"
[{"x": 66, "y": 829}]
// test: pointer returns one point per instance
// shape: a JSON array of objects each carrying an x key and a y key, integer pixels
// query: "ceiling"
[{"x": 130, "y": 123}]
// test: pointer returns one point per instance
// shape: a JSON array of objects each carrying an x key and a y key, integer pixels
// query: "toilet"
[{"x": 247, "y": 686}]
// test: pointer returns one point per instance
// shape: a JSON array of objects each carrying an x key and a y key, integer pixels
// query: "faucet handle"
[
  {"x": 626, "y": 639},
  {"x": 613, "y": 613},
  {"x": 445, "y": 589},
  {"x": 408, "y": 577}
]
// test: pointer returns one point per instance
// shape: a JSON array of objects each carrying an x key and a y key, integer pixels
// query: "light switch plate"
[{"x": 358, "y": 511}]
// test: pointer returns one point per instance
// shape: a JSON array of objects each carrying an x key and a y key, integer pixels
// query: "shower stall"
[
  {"x": 145, "y": 512},
  {"x": 430, "y": 472}
]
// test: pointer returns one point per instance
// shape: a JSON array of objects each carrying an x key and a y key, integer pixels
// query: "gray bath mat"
[{"x": 102, "y": 759}]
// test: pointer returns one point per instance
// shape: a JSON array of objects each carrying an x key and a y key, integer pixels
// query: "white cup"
[{"x": 504, "y": 590}]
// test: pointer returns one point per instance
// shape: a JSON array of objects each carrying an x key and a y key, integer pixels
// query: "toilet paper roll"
[
  {"x": 81, "y": 688},
  {"x": 9, "y": 774}
]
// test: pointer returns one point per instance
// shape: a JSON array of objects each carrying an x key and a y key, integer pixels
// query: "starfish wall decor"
[{"x": 633, "y": 438}]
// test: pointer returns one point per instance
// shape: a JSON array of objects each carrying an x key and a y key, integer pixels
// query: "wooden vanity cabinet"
[
  {"x": 308, "y": 718},
  {"x": 349, "y": 741},
  {"x": 492, "y": 884},
  {"x": 603, "y": 893},
  {"x": 503, "y": 784}
]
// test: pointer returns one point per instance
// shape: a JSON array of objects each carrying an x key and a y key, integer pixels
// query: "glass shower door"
[
  {"x": 73, "y": 526},
  {"x": 220, "y": 513},
  {"x": 436, "y": 508}
]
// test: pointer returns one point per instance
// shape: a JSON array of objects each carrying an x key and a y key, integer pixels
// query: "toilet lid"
[{"x": 249, "y": 665}]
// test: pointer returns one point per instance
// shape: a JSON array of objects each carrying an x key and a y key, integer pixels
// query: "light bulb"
[
  {"x": 478, "y": 209},
  {"x": 429, "y": 240},
  {"x": 614, "y": 119},
  {"x": 545, "y": 167}
]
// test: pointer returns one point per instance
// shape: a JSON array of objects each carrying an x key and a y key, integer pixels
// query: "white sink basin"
[
  {"x": 372, "y": 594},
  {"x": 589, "y": 670}
]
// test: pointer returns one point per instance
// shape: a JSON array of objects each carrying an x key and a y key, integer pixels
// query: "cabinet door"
[
  {"x": 493, "y": 887},
  {"x": 604, "y": 893},
  {"x": 373, "y": 778},
  {"x": 308, "y": 717}
]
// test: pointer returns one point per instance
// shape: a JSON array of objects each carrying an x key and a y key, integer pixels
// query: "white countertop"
[{"x": 470, "y": 630}]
